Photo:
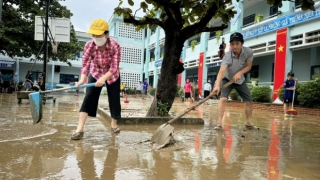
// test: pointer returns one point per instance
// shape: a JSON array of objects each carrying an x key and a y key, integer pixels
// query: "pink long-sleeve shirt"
[{"x": 98, "y": 64}]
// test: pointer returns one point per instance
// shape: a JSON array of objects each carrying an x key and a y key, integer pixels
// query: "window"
[
  {"x": 315, "y": 70},
  {"x": 297, "y": 3},
  {"x": 68, "y": 78},
  {"x": 129, "y": 31},
  {"x": 248, "y": 20},
  {"x": 130, "y": 79},
  {"x": 254, "y": 72},
  {"x": 131, "y": 55},
  {"x": 273, "y": 10}
]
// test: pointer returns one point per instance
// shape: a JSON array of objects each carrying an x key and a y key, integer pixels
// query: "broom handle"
[
  {"x": 293, "y": 94},
  {"x": 70, "y": 87},
  {"x": 199, "y": 103}
]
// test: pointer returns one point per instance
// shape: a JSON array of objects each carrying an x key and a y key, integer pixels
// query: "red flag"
[
  {"x": 280, "y": 61},
  {"x": 180, "y": 75},
  {"x": 200, "y": 73}
]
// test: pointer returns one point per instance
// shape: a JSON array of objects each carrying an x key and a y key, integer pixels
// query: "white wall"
[
  {"x": 260, "y": 8},
  {"x": 301, "y": 64},
  {"x": 265, "y": 67}
]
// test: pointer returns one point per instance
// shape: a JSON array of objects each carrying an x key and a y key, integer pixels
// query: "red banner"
[
  {"x": 280, "y": 61},
  {"x": 180, "y": 75},
  {"x": 200, "y": 73}
]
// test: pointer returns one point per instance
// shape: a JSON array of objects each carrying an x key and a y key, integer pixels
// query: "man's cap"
[
  {"x": 236, "y": 37},
  {"x": 98, "y": 27}
]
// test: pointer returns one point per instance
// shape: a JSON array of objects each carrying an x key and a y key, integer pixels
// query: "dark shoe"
[
  {"x": 115, "y": 130},
  {"x": 218, "y": 127},
  {"x": 251, "y": 127},
  {"x": 77, "y": 135}
]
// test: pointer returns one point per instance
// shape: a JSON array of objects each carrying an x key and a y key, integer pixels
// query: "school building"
[{"x": 284, "y": 39}]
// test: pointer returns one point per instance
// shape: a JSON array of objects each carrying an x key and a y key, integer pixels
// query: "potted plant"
[
  {"x": 254, "y": 81},
  {"x": 218, "y": 35},
  {"x": 258, "y": 18},
  {"x": 193, "y": 44},
  {"x": 151, "y": 59}
]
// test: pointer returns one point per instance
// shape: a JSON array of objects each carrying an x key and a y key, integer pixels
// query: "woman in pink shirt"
[
  {"x": 100, "y": 65},
  {"x": 188, "y": 91}
]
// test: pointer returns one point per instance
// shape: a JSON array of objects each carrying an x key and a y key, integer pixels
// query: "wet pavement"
[{"x": 281, "y": 149}]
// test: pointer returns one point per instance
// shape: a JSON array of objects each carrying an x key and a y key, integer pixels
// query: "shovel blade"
[
  {"x": 35, "y": 102},
  {"x": 162, "y": 133}
]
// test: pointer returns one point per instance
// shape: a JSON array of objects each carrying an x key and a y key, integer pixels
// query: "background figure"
[
  {"x": 187, "y": 89},
  {"x": 122, "y": 86},
  {"x": 5, "y": 82},
  {"x": 145, "y": 88},
  {"x": 140, "y": 88},
  {"x": 289, "y": 86},
  {"x": 16, "y": 81},
  {"x": 207, "y": 89}
]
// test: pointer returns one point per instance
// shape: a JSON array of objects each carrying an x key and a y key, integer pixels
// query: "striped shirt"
[{"x": 98, "y": 64}]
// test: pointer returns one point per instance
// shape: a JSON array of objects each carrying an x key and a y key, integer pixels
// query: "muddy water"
[{"x": 282, "y": 149}]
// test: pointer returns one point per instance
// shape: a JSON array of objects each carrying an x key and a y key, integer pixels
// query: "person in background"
[
  {"x": 145, "y": 88},
  {"x": 289, "y": 86},
  {"x": 122, "y": 86},
  {"x": 187, "y": 89},
  {"x": 207, "y": 89},
  {"x": 140, "y": 88},
  {"x": 16, "y": 81},
  {"x": 6, "y": 82}
]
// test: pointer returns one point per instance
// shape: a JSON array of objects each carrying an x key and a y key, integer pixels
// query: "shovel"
[
  {"x": 35, "y": 101},
  {"x": 160, "y": 137}
]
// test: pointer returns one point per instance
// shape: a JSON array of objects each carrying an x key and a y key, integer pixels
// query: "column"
[
  {"x": 146, "y": 70},
  {"x": 313, "y": 56},
  {"x": 202, "y": 68},
  {"x": 287, "y": 8},
  {"x": 289, "y": 59},
  {"x": 204, "y": 41},
  {"x": 237, "y": 20},
  {"x": 156, "y": 57},
  {"x": 17, "y": 67},
  {"x": 52, "y": 74},
  {"x": 183, "y": 56}
]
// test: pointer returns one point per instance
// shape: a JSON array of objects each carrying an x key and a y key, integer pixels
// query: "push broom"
[
  {"x": 35, "y": 100},
  {"x": 292, "y": 111}
]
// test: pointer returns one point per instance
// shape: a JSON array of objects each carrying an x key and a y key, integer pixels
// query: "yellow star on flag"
[
  {"x": 200, "y": 64},
  {"x": 280, "y": 48}
]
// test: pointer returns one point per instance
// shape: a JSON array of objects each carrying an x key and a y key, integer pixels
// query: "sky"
[{"x": 84, "y": 11}]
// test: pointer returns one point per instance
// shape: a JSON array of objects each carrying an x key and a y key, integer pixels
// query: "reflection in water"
[
  {"x": 273, "y": 152},
  {"x": 88, "y": 164},
  {"x": 201, "y": 152}
]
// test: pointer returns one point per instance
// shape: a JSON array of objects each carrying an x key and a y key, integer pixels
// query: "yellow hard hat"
[{"x": 98, "y": 27}]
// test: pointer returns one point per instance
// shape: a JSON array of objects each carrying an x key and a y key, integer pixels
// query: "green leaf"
[
  {"x": 120, "y": 3},
  {"x": 130, "y": 2}
]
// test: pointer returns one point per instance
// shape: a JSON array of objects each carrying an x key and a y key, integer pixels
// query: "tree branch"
[
  {"x": 198, "y": 27},
  {"x": 146, "y": 21},
  {"x": 210, "y": 29},
  {"x": 172, "y": 7}
]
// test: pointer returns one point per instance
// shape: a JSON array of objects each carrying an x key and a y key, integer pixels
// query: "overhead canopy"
[{"x": 6, "y": 63}]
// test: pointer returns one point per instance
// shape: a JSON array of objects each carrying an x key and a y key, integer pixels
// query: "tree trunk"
[{"x": 171, "y": 67}]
